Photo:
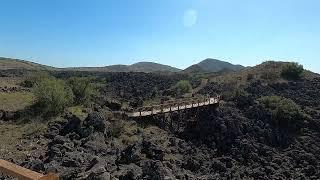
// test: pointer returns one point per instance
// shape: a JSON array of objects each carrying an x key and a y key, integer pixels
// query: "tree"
[
  {"x": 182, "y": 87},
  {"x": 52, "y": 96},
  {"x": 81, "y": 88},
  {"x": 284, "y": 112},
  {"x": 292, "y": 71}
]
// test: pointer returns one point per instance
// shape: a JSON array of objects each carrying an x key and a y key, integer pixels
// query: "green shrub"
[
  {"x": 182, "y": 87},
  {"x": 292, "y": 71},
  {"x": 233, "y": 94},
  {"x": 285, "y": 112},
  {"x": 81, "y": 88},
  {"x": 52, "y": 96},
  {"x": 231, "y": 90}
]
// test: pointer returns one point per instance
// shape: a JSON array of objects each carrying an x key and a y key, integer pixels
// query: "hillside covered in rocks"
[{"x": 245, "y": 137}]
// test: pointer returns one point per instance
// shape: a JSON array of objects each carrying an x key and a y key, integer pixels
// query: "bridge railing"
[
  {"x": 10, "y": 169},
  {"x": 177, "y": 104}
]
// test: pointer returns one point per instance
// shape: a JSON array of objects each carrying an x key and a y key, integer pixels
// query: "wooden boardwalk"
[
  {"x": 19, "y": 172},
  {"x": 173, "y": 106}
]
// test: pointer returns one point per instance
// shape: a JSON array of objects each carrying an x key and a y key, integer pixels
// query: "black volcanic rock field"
[{"x": 238, "y": 139}]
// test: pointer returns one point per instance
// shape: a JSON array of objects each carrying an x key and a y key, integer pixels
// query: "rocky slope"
[
  {"x": 235, "y": 141},
  {"x": 8, "y": 63}
]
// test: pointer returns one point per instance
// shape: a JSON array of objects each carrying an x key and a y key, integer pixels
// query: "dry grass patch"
[
  {"x": 13, "y": 136},
  {"x": 15, "y": 101},
  {"x": 10, "y": 81}
]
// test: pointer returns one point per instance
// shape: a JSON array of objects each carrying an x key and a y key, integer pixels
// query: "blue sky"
[{"x": 175, "y": 32}]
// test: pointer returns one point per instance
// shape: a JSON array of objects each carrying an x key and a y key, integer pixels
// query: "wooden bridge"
[
  {"x": 19, "y": 172},
  {"x": 171, "y": 106}
]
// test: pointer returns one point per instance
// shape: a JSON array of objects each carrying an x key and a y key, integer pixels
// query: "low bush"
[
  {"x": 285, "y": 112},
  {"x": 182, "y": 87},
  {"x": 292, "y": 71},
  {"x": 232, "y": 90},
  {"x": 52, "y": 96},
  {"x": 230, "y": 95}
]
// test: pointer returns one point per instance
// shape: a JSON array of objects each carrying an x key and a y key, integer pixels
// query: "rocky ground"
[{"x": 235, "y": 141}]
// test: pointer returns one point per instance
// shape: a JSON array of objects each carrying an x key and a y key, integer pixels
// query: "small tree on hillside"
[
  {"x": 53, "y": 96},
  {"x": 182, "y": 87},
  {"x": 81, "y": 88},
  {"x": 292, "y": 71}
]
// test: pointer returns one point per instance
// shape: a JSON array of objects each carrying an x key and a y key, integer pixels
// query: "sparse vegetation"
[
  {"x": 292, "y": 71},
  {"x": 15, "y": 101},
  {"x": 285, "y": 112},
  {"x": 269, "y": 75},
  {"x": 53, "y": 96},
  {"x": 34, "y": 78}
]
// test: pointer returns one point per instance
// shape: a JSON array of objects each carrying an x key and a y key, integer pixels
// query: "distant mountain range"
[
  {"x": 137, "y": 67},
  {"x": 207, "y": 65}
]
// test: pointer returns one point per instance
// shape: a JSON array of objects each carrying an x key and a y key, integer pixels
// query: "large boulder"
[
  {"x": 1, "y": 114},
  {"x": 73, "y": 125},
  {"x": 98, "y": 170},
  {"x": 152, "y": 150},
  {"x": 153, "y": 169},
  {"x": 9, "y": 115},
  {"x": 130, "y": 154},
  {"x": 98, "y": 122},
  {"x": 55, "y": 127}
]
